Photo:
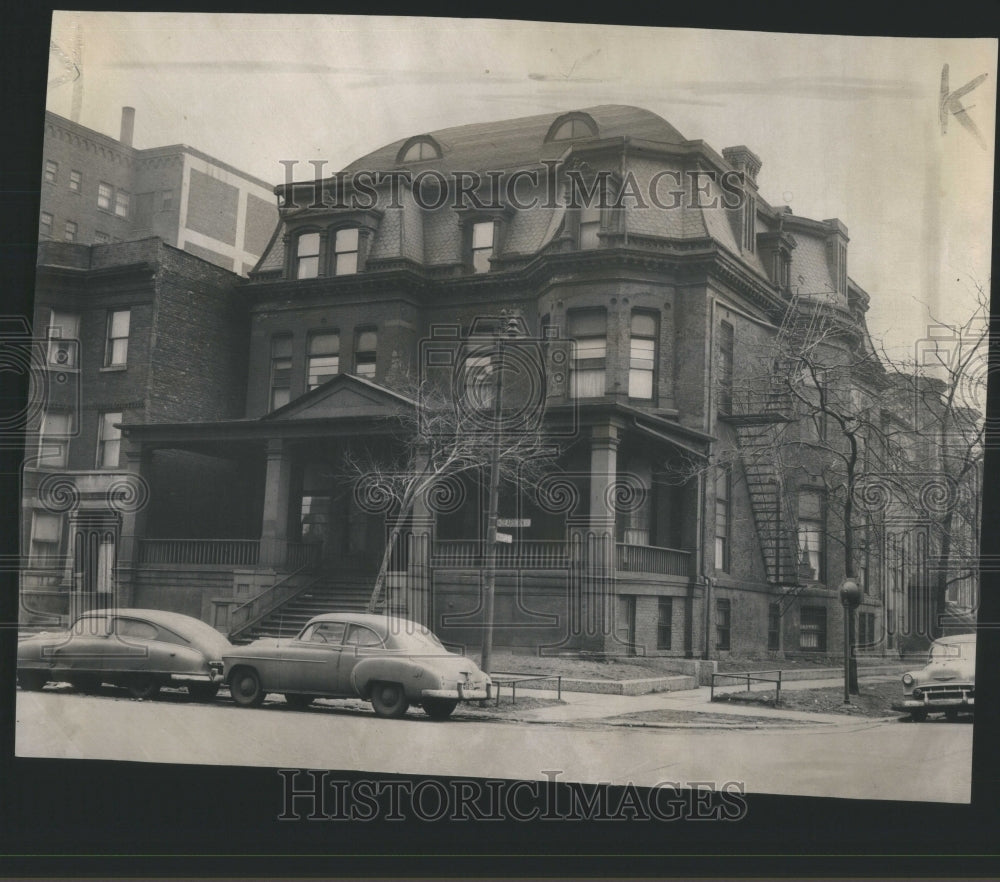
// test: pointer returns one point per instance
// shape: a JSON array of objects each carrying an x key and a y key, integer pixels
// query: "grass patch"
[{"x": 875, "y": 700}]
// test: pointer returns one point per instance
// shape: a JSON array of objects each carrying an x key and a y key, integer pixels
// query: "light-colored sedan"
[
  {"x": 946, "y": 684},
  {"x": 140, "y": 649},
  {"x": 392, "y": 662}
]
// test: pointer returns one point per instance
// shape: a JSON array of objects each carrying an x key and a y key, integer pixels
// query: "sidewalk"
[{"x": 584, "y": 706}]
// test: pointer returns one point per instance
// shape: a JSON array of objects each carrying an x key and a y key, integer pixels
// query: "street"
[{"x": 859, "y": 759}]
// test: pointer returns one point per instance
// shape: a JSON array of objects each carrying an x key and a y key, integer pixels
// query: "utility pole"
[{"x": 490, "y": 577}]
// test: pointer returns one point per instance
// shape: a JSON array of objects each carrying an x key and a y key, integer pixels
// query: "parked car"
[
  {"x": 946, "y": 684},
  {"x": 389, "y": 661},
  {"x": 140, "y": 649}
]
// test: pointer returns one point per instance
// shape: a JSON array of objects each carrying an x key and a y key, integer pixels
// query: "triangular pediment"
[{"x": 344, "y": 397}]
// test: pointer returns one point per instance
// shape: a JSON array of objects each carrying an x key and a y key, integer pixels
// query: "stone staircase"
[{"x": 347, "y": 591}]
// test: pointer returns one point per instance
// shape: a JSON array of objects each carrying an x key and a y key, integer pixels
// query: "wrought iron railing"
[
  {"x": 227, "y": 552},
  {"x": 651, "y": 559}
]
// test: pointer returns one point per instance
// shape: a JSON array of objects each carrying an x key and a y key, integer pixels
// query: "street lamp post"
[{"x": 850, "y": 597}]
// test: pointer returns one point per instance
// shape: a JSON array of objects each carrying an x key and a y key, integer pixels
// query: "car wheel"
[
  {"x": 143, "y": 686},
  {"x": 32, "y": 681},
  {"x": 203, "y": 691},
  {"x": 439, "y": 708},
  {"x": 246, "y": 688},
  {"x": 87, "y": 685},
  {"x": 918, "y": 716},
  {"x": 389, "y": 700},
  {"x": 298, "y": 701},
  {"x": 951, "y": 714}
]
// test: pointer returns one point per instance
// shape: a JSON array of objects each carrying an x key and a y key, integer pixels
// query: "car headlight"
[{"x": 907, "y": 679}]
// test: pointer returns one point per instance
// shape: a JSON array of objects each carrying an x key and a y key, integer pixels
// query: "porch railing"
[
  {"x": 528, "y": 554},
  {"x": 227, "y": 552},
  {"x": 541, "y": 555},
  {"x": 650, "y": 559}
]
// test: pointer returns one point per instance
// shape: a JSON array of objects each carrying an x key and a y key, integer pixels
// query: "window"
[
  {"x": 45, "y": 225},
  {"x": 723, "y": 484},
  {"x": 812, "y": 535},
  {"x": 812, "y": 628},
  {"x": 75, "y": 181},
  {"x": 588, "y": 328},
  {"x": 723, "y": 624},
  {"x": 64, "y": 334},
  {"x": 167, "y": 200},
  {"x": 774, "y": 627},
  {"x": 70, "y": 231},
  {"x": 323, "y": 358},
  {"x": 569, "y": 128},
  {"x": 57, "y": 426},
  {"x": 331, "y": 633},
  {"x": 483, "y": 233},
  {"x": 345, "y": 252},
  {"x": 726, "y": 340},
  {"x": 51, "y": 171},
  {"x": 307, "y": 256},
  {"x": 110, "y": 440},
  {"x": 104, "y": 194},
  {"x": 634, "y": 521},
  {"x": 642, "y": 356},
  {"x": 281, "y": 370},
  {"x": 46, "y": 538},
  {"x": 365, "y": 353},
  {"x": 135, "y": 629},
  {"x": 121, "y": 203},
  {"x": 361, "y": 636},
  {"x": 116, "y": 354},
  {"x": 749, "y": 223},
  {"x": 866, "y": 629},
  {"x": 101, "y": 238},
  {"x": 422, "y": 148},
  {"x": 664, "y": 622},
  {"x": 590, "y": 226}
]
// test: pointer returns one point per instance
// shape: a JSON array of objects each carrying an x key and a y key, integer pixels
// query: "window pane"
[
  {"x": 121, "y": 204},
  {"x": 324, "y": 344},
  {"x": 308, "y": 245},
  {"x": 104, "y": 195},
  {"x": 643, "y": 353},
  {"x": 347, "y": 264},
  {"x": 589, "y": 235},
  {"x": 643, "y": 324},
  {"x": 281, "y": 347},
  {"x": 119, "y": 352},
  {"x": 308, "y": 268},
  {"x": 280, "y": 397},
  {"x": 367, "y": 341},
  {"x": 587, "y": 384},
  {"x": 46, "y": 528},
  {"x": 640, "y": 384},
  {"x": 322, "y": 368},
  {"x": 109, "y": 431},
  {"x": 120, "y": 323},
  {"x": 347, "y": 240},
  {"x": 593, "y": 347},
  {"x": 482, "y": 235},
  {"x": 592, "y": 323}
]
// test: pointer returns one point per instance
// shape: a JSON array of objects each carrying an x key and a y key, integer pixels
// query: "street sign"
[
  {"x": 513, "y": 522},
  {"x": 506, "y": 538}
]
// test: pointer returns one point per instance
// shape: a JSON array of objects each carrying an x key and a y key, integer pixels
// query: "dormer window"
[
  {"x": 483, "y": 236},
  {"x": 419, "y": 149},
  {"x": 307, "y": 256},
  {"x": 571, "y": 127},
  {"x": 345, "y": 252},
  {"x": 590, "y": 226}
]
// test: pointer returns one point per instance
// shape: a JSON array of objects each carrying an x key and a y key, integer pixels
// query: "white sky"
[{"x": 846, "y": 127}]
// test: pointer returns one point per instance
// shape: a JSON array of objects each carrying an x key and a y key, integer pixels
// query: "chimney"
[{"x": 128, "y": 124}]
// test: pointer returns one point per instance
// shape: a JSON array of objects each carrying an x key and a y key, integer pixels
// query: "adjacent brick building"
[
  {"x": 653, "y": 310},
  {"x": 97, "y": 190}
]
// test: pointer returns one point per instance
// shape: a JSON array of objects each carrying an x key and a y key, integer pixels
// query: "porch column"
[
  {"x": 598, "y": 589},
  {"x": 420, "y": 606},
  {"x": 274, "y": 524}
]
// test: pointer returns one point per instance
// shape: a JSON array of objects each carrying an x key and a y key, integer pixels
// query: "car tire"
[
  {"x": 86, "y": 685},
  {"x": 297, "y": 701},
  {"x": 32, "y": 681},
  {"x": 246, "y": 688},
  {"x": 918, "y": 716},
  {"x": 439, "y": 708},
  {"x": 143, "y": 686},
  {"x": 389, "y": 700},
  {"x": 203, "y": 691}
]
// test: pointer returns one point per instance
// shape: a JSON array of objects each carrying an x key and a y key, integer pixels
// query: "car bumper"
[
  {"x": 928, "y": 703},
  {"x": 477, "y": 692}
]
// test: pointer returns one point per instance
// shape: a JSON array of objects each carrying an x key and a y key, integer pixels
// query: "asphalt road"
[{"x": 863, "y": 760}]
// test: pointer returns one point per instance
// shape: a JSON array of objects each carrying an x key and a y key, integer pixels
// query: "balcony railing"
[{"x": 650, "y": 559}]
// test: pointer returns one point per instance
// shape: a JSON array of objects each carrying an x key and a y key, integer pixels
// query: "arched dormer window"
[
  {"x": 418, "y": 149},
  {"x": 572, "y": 126}
]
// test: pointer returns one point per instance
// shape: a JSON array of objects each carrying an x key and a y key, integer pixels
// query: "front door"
[{"x": 310, "y": 663}]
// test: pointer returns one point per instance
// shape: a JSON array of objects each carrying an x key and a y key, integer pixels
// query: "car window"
[
  {"x": 358, "y": 635},
  {"x": 135, "y": 629},
  {"x": 945, "y": 651},
  {"x": 168, "y": 636},
  {"x": 90, "y": 626},
  {"x": 331, "y": 633}
]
